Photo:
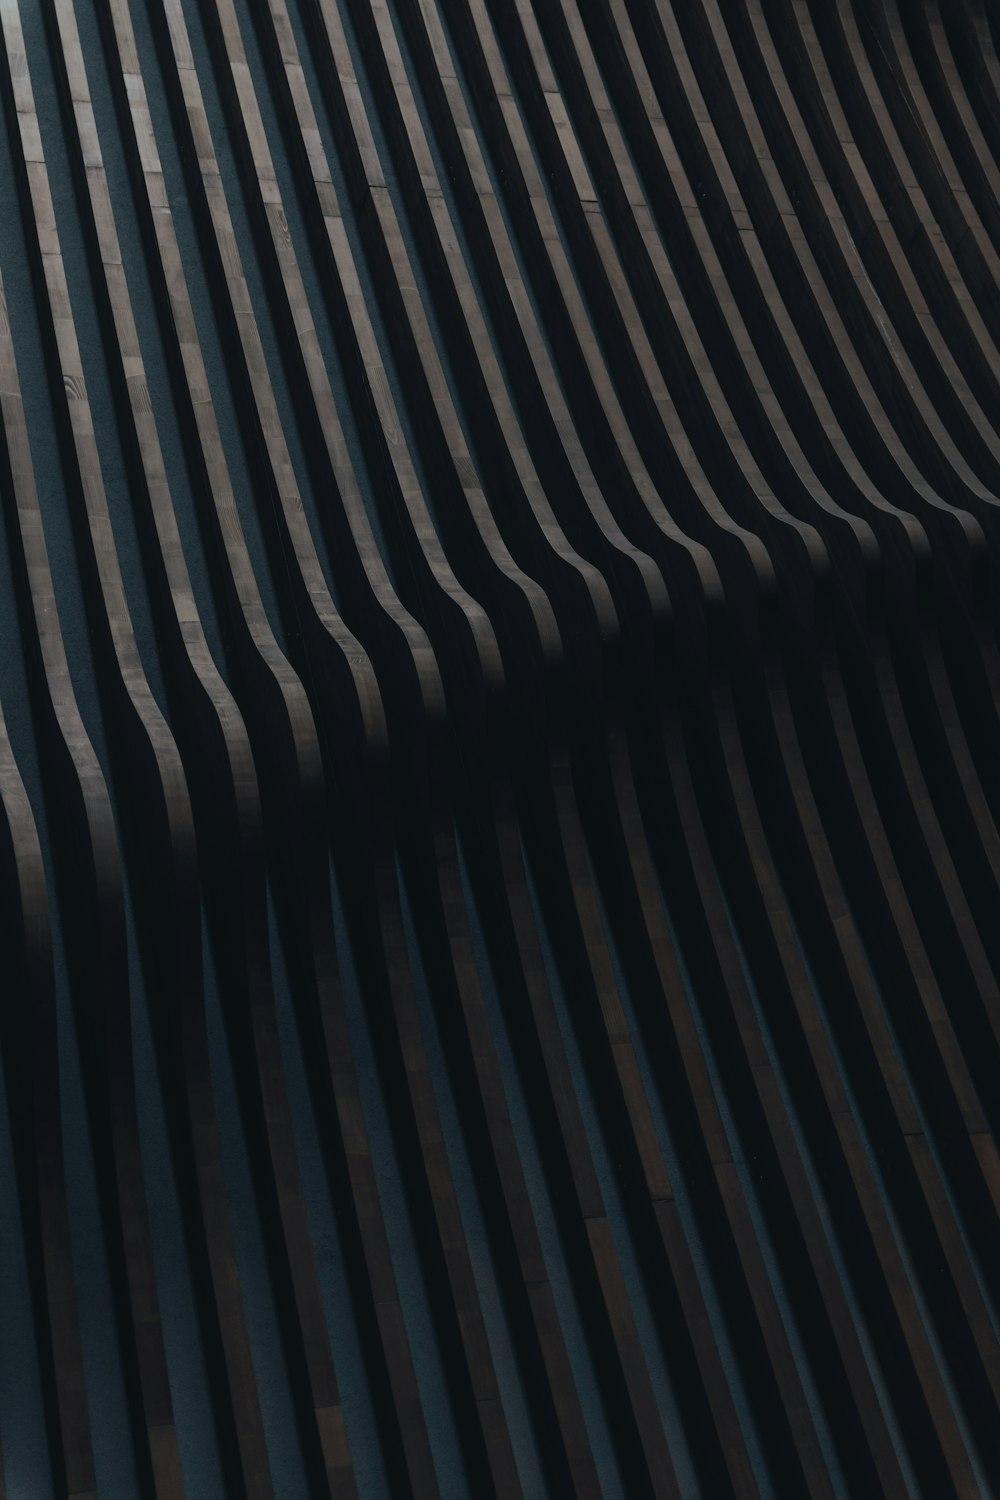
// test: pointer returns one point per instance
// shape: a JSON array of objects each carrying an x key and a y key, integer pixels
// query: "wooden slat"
[{"x": 562, "y": 448}]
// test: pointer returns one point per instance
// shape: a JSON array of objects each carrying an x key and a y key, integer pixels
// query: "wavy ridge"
[{"x": 498, "y": 745}]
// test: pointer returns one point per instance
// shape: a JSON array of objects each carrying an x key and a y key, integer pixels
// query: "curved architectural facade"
[{"x": 500, "y": 749}]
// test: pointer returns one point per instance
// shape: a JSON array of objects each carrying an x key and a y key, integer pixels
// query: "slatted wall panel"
[{"x": 500, "y": 749}]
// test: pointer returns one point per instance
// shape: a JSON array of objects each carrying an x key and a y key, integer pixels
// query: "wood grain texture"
[{"x": 499, "y": 728}]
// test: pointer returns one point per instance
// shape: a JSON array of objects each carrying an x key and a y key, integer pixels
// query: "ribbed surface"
[{"x": 501, "y": 776}]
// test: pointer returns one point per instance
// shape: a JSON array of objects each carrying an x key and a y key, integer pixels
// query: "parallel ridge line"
[{"x": 555, "y": 733}]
